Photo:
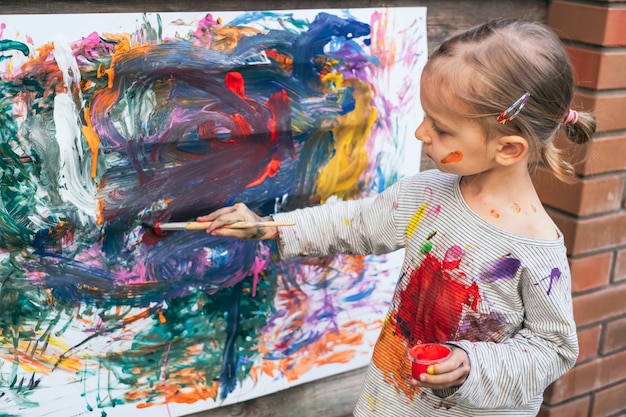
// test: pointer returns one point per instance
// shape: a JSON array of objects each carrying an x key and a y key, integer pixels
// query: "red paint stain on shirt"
[
  {"x": 455, "y": 156},
  {"x": 430, "y": 308}
]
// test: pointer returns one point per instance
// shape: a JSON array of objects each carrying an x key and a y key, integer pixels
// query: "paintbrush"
[{"x": 161, "y": 227}]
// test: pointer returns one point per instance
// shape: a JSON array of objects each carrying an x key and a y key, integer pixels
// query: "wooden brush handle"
[{"x": 205, "y": 225}]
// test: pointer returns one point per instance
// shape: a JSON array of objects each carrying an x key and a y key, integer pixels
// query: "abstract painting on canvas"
[{"x": 110, "y": 123}]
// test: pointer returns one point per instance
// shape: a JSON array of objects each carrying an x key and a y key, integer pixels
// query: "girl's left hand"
[{"x": 450, "y": 373}]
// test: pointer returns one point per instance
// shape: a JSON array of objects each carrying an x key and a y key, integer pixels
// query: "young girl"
[{"x": 485, "y": 269}]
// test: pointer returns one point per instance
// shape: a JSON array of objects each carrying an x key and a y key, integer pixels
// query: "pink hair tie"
[{"x": 572, "y": 117}]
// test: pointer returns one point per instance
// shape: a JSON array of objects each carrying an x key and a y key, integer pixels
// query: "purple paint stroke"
[
  {"x": 505, "y": 268},
  {"x": 554, "y": 277}
]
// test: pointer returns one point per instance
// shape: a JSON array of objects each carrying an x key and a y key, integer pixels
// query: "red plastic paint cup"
[{"x": 424, "y": 355}]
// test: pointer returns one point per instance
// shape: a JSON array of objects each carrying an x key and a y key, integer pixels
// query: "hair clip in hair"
[
  {"x": 514, "y": 109},
  {"x": 572, "y": 117}
]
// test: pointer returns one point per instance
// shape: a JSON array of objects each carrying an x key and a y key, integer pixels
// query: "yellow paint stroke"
[
  {"x": 340, "y": 175},
  {"x": 416, "y": 220}
]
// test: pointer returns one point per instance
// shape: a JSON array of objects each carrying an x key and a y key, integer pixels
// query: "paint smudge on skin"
[
  {"x": 516, "y": 208},
  {"x": 455, "y": 156},
  {"x": 494, "y": 213}
]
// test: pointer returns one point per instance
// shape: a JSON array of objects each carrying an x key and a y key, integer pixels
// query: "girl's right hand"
[{"x": 238, "y": 213}]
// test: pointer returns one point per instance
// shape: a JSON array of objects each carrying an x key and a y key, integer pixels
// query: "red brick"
[
  {"x": 584, "y": 197},
  {"x": 589, "y": 342},
  {"x": 607, "y": 156},
  {"x": 587, "y": 377},
  {"x": 598, "y": 25},
  {"x": 609, "y": 108},
  {"x": 593, "y": 234},
  {"x": 598, "y": 69},
  {"x": 575, "y": 408},
  {"x": 609, "y": 401},
  {"x": 601, "y": 305},
  {"x": 591, "y": 271},
  {"x": 615, "y": 336},
  {"x": 619, "y": 273}
]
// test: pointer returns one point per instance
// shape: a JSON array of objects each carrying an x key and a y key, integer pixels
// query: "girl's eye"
[{"x": 438, "y": 130}]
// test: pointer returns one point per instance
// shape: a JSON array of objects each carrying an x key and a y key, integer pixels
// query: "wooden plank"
[
  {"x": 329, "y": 397},
  {"x": 334, "y": 396}
]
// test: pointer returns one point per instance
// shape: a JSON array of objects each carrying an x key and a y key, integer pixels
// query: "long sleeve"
[{"x": 366, "y": 226}]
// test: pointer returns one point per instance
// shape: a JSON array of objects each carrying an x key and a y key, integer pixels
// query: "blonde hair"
[{"x": 491, "y": 66}]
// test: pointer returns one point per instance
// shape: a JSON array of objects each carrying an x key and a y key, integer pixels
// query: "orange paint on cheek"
[
  {"x": 494, "y": 213},
  {"x": 455, "y": 156}
]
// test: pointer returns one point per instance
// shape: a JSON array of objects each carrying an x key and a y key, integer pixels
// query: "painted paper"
[{"x": 112, "y": 122}]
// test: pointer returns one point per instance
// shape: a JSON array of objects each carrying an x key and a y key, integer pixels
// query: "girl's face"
[{"x": 455, "y": 144}]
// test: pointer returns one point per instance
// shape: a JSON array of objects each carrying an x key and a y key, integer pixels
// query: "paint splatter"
[
  {"x": 455, "y": 156},
  {"x": 494, "y": 213},
  {"x": 416, "y": 219},
  {"x": 553, "y": 278},
  {"x": 516, "y": 208},
  {"x": 505, "y": 268},
  {"x": 420, "y": 316}
]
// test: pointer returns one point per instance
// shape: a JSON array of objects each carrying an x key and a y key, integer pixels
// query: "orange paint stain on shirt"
[
  {"x": 494, "y": 213},
  {"x": 455, "y": 156},
  {"x": 390, "y": 356}
]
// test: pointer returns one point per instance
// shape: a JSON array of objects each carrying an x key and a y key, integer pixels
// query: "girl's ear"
[{"x": 511, "y": 150}]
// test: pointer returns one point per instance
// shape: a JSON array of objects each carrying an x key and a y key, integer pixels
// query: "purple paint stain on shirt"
[
  {"x": 554, "y": 277},
  {"x": 501, "y": 269}
]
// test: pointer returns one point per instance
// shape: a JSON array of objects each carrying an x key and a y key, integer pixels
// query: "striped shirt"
[{"x": 503, "y": 298}]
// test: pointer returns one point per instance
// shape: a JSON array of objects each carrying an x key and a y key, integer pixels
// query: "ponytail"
[{"x": 579, "y": 130}]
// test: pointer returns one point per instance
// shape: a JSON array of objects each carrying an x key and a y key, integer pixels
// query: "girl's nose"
[{"x": 421, "y": 133}]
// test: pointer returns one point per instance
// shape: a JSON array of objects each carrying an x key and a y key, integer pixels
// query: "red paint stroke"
[
  {"x": 277, "y": 104},
  {"x": 455, "y": 156},
  {"x": 234, "y": 82},
  {"x": 431, "y": 306},
  {"x": 270, "y": 171},
  {"x": 244, "y": 126}
]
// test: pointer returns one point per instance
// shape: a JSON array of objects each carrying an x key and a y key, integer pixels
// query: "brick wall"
[{"x": 592, "y": 213}]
